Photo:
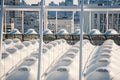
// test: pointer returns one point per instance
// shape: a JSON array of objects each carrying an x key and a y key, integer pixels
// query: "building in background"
[
  {"x": 12, "y": 2},
  {"x": 62, "y": 23},
  {"x": 17, "y": 18},
  {"x": 98, "y": 19},
  {"x": 31, "y": 20},
  {"x": 9, "y": 22}
]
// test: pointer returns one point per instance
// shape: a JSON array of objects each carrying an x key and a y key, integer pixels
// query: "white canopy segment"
[
  {"x": 94, "y": 31},
  {"x": 7, "y": 43},
  {"x": 77, "y": 32},
  {"x": 58, "y": 59},
  {"x": 31, "y": 31},
  {"x": 111, "y": 31},
  {"x": 14, "y": 52},
  {"x": 6, "y": 63},
  {"x": 16, "y": 41},
  {"x": 49, "y": 56},
  {"x": 104, "y": 64},
  {"x": 59, "y": 62},
  {"x": 62, "y": 32},
  {"x": 15, "y": 31},
  {"x": 47, "y": 31},
  {"x": 67, "y": 66}
]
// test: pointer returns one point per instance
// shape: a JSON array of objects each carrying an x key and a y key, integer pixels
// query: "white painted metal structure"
[
  {"x": 63, "y": 8},
  {"x": 1, "y": 27},
  {"x": 56, "y": 22},
  {"x": 90, "y": 10},
  {"x": 58, "y": 8},
  {"x": 40, "y": 39},
  {"x": 81, "y": 40},
  {"x": 22, "y": 22}
]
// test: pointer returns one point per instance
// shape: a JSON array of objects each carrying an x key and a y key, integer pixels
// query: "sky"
[{"x": 47, "y": 1}]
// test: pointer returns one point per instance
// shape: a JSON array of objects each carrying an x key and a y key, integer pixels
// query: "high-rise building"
[
  {"x": 11, "y": 15},
  {"x": 105, "y": 2},
  {"x": 12, "y": 2},
  {"x": 52, "y": 13},
  {"x": 69, "y": 2}
]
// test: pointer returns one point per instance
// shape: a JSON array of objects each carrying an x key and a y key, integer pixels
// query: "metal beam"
[
  {"x": 1, "y": 28},
  {"x": 72, "y": 27},
  {"x": 40, "y": 39},
  {"x": 63, "y": 8},
  {"x": 56, "y": 22},
  {"x": 81, "y": 39},
  {"x": 90, "y": 21},
  {"x": 107, "y": 23},
  {"x": 22, "y": 8},
  {"x": 5, "y": 23},
  {"x": 22, "y": 22}
]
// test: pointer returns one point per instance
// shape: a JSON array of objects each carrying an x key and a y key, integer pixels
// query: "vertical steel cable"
[
  {"x": 40, "y": 39},
  {"x": 81, "y": 40},
  {"x": 1, "y": 28}
]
